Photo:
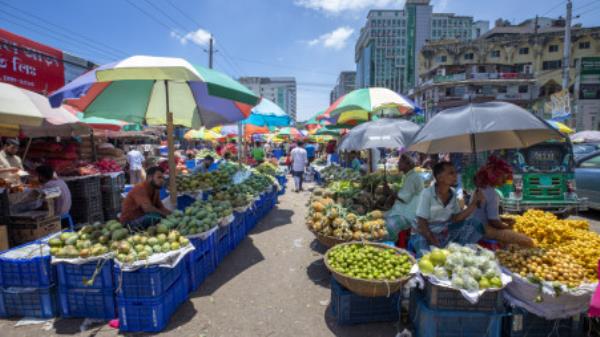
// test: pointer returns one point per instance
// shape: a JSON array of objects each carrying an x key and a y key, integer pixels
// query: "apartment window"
[
  {"x": 469, "y": 56},
  {"x": 551, "y": 65},
  {"x": 584, "y": 45},
  {"x": 523, "y": 89},
  {"x": 524, "y": 51},
  {"x": 553, "y": 48},
  {"x": 495, "y": 54},
  {"x": 502, "y": 89}
]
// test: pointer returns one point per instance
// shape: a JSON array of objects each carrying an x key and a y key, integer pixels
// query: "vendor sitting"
[
  {"x": 142, "y": 206},
  {"x": 439, "y": 219},
  {"x": 10, "y": 163},
  {"x": 207, "y": 165},
  {"x": 494, "y": 174},
  {"x": 46, "y": 177},
  {"x": 403, "y": 213}
]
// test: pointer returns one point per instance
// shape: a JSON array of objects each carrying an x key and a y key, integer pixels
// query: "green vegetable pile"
[{"x": 369, "y": 262}]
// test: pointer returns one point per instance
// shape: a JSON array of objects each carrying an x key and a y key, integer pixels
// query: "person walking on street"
[
  {"x": 135, "y": 159},
  {"x": 299, "y": 160}
]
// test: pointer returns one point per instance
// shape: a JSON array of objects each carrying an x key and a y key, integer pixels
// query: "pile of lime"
[{"x": 369, "y": 262}]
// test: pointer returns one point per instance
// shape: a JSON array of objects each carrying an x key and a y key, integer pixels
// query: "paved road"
[{"x": 274, "y": 284}]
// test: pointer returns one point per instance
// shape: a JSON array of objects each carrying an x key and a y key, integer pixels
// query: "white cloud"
[
  {"x": 335, "y": 40},
  {"x": 338, "y": 6},
  {"x": 199, "y": 37}
]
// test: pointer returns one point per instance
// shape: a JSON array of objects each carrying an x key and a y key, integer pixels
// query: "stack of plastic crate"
[
  {"x": 112, "y": 186},
  {"x": 87, "y": 197},
  {"x": 349, "y": 308},
  {"x": 521, "y": 323},
  {"x": 27, "y": 282},
  {"x": 87, "y": 290},
  {"x": 444, "y": 312},
  {"x": 148, "y": 297},
  {"x": 201, "y": 262}
]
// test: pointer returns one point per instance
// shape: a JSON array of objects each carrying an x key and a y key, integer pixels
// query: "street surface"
[{"x": 274, "y": 284}]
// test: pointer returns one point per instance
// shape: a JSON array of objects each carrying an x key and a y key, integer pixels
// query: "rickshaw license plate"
[{"x": 545, "y": 181}]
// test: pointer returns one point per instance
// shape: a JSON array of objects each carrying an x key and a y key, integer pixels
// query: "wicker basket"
[
  {"x": 328, "y": 241},
  {"x": 370, "y": 288}
]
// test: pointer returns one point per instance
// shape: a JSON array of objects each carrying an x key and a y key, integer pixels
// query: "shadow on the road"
[
  {"x": 591, "y": 214},
  {"x": 72, "y": 326},
  {"x": 275, "y": 218},
  {"x": 318, "y": 273},
  {"x": 243, "y": 257},
  {"x": 317, "y": 247},
  {"x": 385, "y": 329}
]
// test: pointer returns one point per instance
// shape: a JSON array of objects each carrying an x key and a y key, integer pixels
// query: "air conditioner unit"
[{"x": 528, "y": 69}]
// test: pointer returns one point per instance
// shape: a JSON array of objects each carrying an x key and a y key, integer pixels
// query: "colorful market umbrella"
[
  {"x": 383, "y": 133},
  {"x": 268, "y": 114},
  {"x": 327, "y": 131},
  {"x": 357, "y": 106},
  {"x": 24, "y": 112},
  {"x": 159, "y": 91},
  {"x": 560, "y": 127},
  {"x": 289, "y": 133},
  {"x": 203, "y": 134}
]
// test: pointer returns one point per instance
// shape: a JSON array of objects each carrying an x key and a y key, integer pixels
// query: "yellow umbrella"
[
  {"x": 562, "y": 128},
  {"x": 202, "y": 134}
]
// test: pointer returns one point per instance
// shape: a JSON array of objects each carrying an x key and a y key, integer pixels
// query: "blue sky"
[{"x": 312, "y": 40}]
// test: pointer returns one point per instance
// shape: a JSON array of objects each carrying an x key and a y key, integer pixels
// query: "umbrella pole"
[
  {"x": 27, "y": 148},
  {"x": 171, "y": 147},
  {"x": 93, "y": 142},
  {"x": 240, "y": 145}
]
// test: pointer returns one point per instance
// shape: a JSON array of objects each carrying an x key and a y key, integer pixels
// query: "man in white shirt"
[
  {"x": 136, "y": 169},
  {"x": 299, "y": 159}
]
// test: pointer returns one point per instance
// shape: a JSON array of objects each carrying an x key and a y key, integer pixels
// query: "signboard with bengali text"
[{"x": 30, "y": 65}]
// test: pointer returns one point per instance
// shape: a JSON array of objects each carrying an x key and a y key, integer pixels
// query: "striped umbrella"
[
  {"x": 359, "y": 105},
  {"x": 159, "y": 91}
]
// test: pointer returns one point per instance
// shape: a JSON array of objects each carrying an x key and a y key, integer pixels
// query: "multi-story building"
[
  {"x": 281, "y": 90},
  {"x": 520, "y": 64},
  {"x": 386, "y": 52},
  {"x": 346, "y": 82}
]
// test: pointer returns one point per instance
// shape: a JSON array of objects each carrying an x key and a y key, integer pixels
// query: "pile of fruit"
[
  {"x": 100, "y": 239},
  {"x": 571, "y": 238},
  {"x": 240, "y": 195},
  {"x": 196, "y": 218},
  {"x": 334, "y": 172},
  {"x": 537, "y": 264},
  {"x": 193, "y": 182},
  {"x": 369, "y": 262},
  {"x": 267, "y": 168},
  {"x": 333, "y": 220},
  {"x": 465, "y": 267}
]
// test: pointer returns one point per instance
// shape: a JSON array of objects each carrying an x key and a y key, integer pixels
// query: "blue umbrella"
[{"x": 268, "y": 114}]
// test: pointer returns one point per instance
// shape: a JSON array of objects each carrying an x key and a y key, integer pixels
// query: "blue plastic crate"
[
  {"x": 73, "y": 275},
  {"x": 521, "y": 323},
  {"x": 349, "y": 308},
  {"x": 151, "y": 281},
  {"x": 202, "y": 246},
  {"x": 238, "y": 230},
  {"x": 87, "y": 303},
  {"x": 34, "y": 271},
  {"x": 151, "y": 314},
  {"x": 184, "y": 201},
  {"x": 437, "y": 297},
  {"x": 28, "y": 302},
  {"x": 223, "y": 244},
  {"x": 199, "y": 267},
  {"x": 453, "y": 323}
]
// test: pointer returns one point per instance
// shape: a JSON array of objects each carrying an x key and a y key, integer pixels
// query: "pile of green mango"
[
  {"x": 143, "y": 245},
  {"x": 90, "y": 240}
]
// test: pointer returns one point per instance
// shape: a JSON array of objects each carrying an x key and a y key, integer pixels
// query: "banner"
[{"x": 30, "y": 65}]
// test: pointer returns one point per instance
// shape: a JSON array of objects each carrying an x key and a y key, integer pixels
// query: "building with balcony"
[
  {"x": 346, "y": 82},
  {"x": 520, "y": 64},
  {"x": 386, "y": 52}
]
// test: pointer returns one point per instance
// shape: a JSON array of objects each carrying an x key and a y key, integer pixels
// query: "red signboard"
[{"x": 30, "y": 65}]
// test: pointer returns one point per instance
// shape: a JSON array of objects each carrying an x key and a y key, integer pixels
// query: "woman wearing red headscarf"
[{"x": 495, "y": 174}]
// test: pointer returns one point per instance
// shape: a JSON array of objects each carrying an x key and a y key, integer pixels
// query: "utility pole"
[
  {"x": 567, "y": 47},
  {"x": 210, "y": 52}
]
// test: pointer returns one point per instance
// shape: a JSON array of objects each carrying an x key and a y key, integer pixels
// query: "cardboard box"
[
  {"x": 3, "y": 238},
  {"x": 26, "y": 229}
]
